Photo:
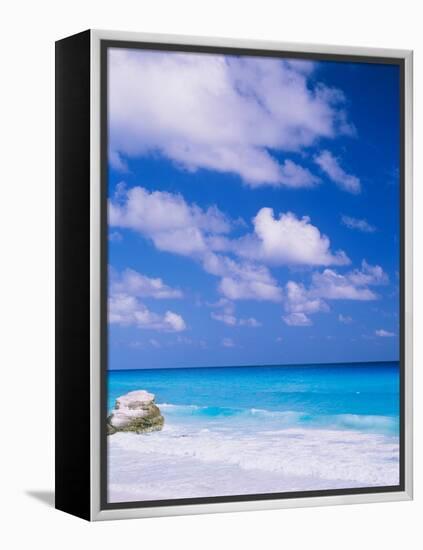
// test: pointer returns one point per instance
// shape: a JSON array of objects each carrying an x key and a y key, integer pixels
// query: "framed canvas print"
[{"x": 233, "y": 275}]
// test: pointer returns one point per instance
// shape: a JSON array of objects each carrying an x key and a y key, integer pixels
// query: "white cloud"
[
  {"x": 242, "y": 281},
  {"x": 117, "y": 163},
  {"x": 351, "y": 286},
  {"x": 368, "y": 275},
  {"x": 226, "y": 318},
  {"x": 178, "y": 227},
  {"x": 248, "y": 282},
  {"x": 288, "y": 240},
  {"x": 360, "y": 225},
  {"x": 297, "y": 319},
  {"x": 294, "y": 175},
  {"x": 166, "y": 219},
  {"x": 384, "y": 333},
  {"x": 241, "y": 288},
  {"x": 175, "y": 321},
  {"x": 299, "y": 304},
  {"x": 231, "y": 320},
  {"x": 226, "y": 315},
  {"x": 330, "y": 165},
  {"x": 220, "y": 112},
  {"x": 228, "y": 343},
  {"x": 298, "y": 299},
  {"x": 334, "y": 286},
  {"x": 345, "y": 319},
  {"x": 175, "y": 226},
  {"x": 135, "y": 284},
  {"x": 202, "y": 234},
  {"x": 127, "y": 310}
]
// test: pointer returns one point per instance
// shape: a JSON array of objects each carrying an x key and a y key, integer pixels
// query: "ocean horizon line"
[{"x": 273, "y": 365}]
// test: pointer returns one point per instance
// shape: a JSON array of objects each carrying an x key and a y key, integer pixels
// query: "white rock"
[
  {"x": 134, "y": 400},
  {"x": 130, "y": 408}
]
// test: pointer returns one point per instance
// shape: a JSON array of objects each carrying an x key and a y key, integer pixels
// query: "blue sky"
[{"x": 253, "y": 210}]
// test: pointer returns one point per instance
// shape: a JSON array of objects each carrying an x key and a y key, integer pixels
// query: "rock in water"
[{"x": 135, "y": 412}]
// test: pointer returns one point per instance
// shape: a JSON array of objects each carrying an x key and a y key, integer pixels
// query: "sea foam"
[{"x": 267, "y": 461}]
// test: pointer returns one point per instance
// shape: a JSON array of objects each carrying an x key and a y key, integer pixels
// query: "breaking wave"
[{"x": 368, "y": 423}]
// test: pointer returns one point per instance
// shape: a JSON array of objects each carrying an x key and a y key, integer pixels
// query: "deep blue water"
[{"x": 362, "y": 397}]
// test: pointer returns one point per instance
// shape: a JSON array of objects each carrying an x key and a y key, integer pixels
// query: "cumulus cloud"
[
  {"x": 359, "y": 224},
  {"x": 243, "y": 281},
  {"x": 288, "y": 240},
  {"x": 185, "y": 229},
  {"x": 166, "y": 219},
  {"x": 222, "y": 113},
  {"x": 331, "y": 167},
  {"x": 368, "y": 275},
  {"x": 353, "y": 285},
  {"x": 127, "y": 310},
  {"x": 335, "y": 286},
  {"x": 384, "y": 333},
  {"x": 226, "y": 315},
  {"x": 299, "y": 304},
  {"x": 136, "y": 284},
  {"x": 125, "y": 307},
  {"x": 297, "y": 319}
]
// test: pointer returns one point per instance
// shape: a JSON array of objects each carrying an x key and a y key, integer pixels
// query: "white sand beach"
[{"x": 187, "y": 462}]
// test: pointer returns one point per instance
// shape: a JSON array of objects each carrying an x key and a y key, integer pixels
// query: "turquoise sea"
[{"x": 238, "y": 430}]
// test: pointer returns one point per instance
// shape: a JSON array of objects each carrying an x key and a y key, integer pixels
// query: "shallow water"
[{"x": 241, "y": 430}]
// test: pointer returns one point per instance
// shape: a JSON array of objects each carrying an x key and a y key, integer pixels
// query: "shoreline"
[{"x": 183, "y": 462}]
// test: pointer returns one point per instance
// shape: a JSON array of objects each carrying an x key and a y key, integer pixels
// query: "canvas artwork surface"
[{"x": 253, "y": 287}]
